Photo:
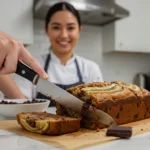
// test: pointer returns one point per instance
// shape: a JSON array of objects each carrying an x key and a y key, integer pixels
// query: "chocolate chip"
[
  {"x": 89, "y": 101},
  {"x": 138, "y": 104},
  {"x": 26, "y": 102},
  {"x": 117, "y": 116},
  {"x": 147, "y": 108},
  {"x": 145, "y": 115},
  {"x": 121, "y": 108},
  {"x": 135, "y": 116},
  {"x": 106, "y": 110}
]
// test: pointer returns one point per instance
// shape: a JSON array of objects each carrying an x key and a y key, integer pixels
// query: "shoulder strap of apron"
[
  {"x": 78, "y": 71},
  {"x": 47, "y": 62}
]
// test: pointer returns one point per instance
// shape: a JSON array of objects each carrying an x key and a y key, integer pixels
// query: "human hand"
[{"x": 11, "y": 51}]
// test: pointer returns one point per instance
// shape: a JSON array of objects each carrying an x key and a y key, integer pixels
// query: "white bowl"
[{"x": 10, "y": 110}]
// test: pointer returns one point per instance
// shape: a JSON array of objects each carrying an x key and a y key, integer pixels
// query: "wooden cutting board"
[{"x": 77, "y": 140}]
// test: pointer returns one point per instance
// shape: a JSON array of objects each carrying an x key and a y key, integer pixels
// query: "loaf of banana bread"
[
  {"x": 122, "y": 101},
  {"x": 46, "y": 123}
]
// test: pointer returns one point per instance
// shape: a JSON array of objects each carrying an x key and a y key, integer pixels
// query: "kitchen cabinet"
[
  {"x": 17, "y": 19},
  {"x": 131, "y": 34}
]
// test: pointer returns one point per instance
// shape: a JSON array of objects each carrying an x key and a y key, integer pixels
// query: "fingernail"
[{"x": 45, "y": 76}]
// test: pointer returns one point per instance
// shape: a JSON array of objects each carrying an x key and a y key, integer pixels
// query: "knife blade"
[{"x": 61, "y": 96}]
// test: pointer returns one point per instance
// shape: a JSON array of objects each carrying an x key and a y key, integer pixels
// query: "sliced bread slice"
[{"x": 47, "y": 123}]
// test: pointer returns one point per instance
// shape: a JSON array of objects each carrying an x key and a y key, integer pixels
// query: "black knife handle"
[{"x": 26, "y": 72}]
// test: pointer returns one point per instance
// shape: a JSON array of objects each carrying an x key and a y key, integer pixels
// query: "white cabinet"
[
  {"x": 131, "y": 34},
  {"x": 16, "y": 18}
]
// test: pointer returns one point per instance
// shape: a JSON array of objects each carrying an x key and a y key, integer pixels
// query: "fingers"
[
  {"x": 11, "y": 51},
  {"x": 9, "y": 56},
  {"x": 26, "y": 57},
  {"x": 2, "y": 55},
  {"x": 10, "y": 63}
]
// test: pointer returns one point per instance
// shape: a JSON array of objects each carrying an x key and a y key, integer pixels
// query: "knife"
[{"x": 61, "y": 96}]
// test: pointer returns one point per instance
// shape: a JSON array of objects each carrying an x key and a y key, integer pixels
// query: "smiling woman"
[
  {"x": 63, "y": 29},
  {"x": 63, "y": 66}
]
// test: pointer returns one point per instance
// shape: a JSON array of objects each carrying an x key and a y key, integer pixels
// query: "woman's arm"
[{"x": 9, "y": 88}]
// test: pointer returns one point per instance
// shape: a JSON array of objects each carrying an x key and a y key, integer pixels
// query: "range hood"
[{"x": 93, "y": 12}]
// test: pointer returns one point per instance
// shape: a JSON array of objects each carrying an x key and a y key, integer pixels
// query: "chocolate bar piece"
[{"x": 119, "y": 131}]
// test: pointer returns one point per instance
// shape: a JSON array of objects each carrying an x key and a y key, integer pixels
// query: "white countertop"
[{"x": 11, "y": 141}]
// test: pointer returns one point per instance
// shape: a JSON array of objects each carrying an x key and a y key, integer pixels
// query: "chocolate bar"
[{"x": 119, "y": 131}]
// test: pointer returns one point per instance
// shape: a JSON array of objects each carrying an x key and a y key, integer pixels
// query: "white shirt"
[{"x": 60, "y": 74}]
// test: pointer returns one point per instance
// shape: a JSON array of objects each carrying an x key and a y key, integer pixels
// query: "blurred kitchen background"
[{"x": 116, "y": 34}]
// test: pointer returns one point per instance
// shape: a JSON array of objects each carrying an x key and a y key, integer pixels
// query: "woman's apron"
[{"x": 47, "y": 62}]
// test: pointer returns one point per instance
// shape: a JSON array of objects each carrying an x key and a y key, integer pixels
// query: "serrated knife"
[{"x": 61, "y": 96}]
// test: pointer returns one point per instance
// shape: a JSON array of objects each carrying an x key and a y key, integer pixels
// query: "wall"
[{"x": 114, "y": 66}]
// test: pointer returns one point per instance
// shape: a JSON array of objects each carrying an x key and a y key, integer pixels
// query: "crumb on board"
[{"x": 97, "y": 130}]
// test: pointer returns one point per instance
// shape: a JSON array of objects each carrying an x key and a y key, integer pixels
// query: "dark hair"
[{"x": 61, "y": 6}]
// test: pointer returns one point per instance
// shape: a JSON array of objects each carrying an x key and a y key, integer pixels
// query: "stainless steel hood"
[{"x": 93, "y": 12}]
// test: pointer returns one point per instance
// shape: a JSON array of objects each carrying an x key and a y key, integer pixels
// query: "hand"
[{"x": 11, "y": 51}]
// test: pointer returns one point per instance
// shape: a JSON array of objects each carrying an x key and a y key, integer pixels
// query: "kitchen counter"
[{"x": 11, "y": 141}]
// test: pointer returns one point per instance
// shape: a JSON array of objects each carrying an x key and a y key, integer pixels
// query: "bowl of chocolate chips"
[{"x": 10, "y": 107}]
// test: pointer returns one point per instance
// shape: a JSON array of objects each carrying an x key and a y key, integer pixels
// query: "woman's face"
[{"x": 63, "y": 31}]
